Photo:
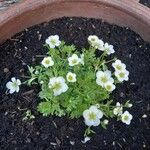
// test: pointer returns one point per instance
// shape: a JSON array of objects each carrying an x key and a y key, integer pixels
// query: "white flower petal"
[
  {"x": 85, "y": 113},
  {"x": 11, "y": 91},
  {"x": 89, "y": 122},
  {"x": 17, "y": 89},
  {"x": 9, "y": 85},
  {"x": 18, "y": 82},
  {"x": 13, "y": 79},
  {"x": 99, "y": 114},
  {"x": 96, "y": 122}
]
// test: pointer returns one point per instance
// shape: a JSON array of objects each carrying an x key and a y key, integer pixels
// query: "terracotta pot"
[{"x": 27, "y": 13}]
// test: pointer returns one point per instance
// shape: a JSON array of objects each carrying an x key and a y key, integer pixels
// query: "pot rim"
[{"x": 129, "y": 7}]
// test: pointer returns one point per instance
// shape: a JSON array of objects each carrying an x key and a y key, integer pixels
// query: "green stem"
[{"x": 110, "y": 61}]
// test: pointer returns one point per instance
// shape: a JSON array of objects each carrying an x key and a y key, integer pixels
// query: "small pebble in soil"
[
  {"x": 72, "y": 142},
  {"x": 6, "y": 70},
  {"x": 144, "y": 116}
]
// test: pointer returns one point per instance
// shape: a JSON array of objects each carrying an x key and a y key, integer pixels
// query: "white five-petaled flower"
[
  {"x": 109, "y": 49},
  {"x": 47, "y": 62},
  {"x": 109, "y": 86},
  {"x": 102, "y": 77},
  {"x": 126, "y": 117},
  {"x": 92, "y": 38},
  {"x": 53, "y": 41},
  {"x": 118, "y": 65},
  {"x": 74, "y": 60},
  {"x": 71, "y": 77},
  {"x": 122, "y": 75},
  {"x": 58, "y": 85},
  {"x": 92, "y": 116},
  {"x": 13, "y": 85},
  {"x": 118, "y": 109},
  {"x": 95, "y": 42}
]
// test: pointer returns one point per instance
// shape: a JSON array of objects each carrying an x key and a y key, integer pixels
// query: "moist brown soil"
[{"x": 47, "y": 133}]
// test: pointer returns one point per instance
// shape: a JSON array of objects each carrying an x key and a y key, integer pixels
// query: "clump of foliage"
[{"x": 77, "y": 83}]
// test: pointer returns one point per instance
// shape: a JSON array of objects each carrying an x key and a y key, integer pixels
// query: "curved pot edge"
[{"x": 134, "y": 9}]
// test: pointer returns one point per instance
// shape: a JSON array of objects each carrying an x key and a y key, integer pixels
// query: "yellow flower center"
[
  {"x": 53, "y": 41},
  {"x": 93, "y": 39},
  {"x": 108, "y": 87},
  {"x": 47, "y": 62},
  {"x": 126, "y": 117},
  {"x": 121, "y": 75},
  {"x": 118, "y": 67},
  {"x": 14, "y": 84},
  {"x": 74, "y": 61},
  {"x": 57, "y": 86},
  {"x": 70, "y": 77},
  {"x": 92, "y": 116},
  {"x": 104, "y": 79}
]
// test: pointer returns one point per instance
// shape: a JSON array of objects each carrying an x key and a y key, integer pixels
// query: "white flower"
[
  {"x": 53, "y": 41},
  {"x": 71, "y": 77},
  {"x": 81, "y": 59},
  {"x": 102, "y": 77},
  {"x": 92, "y": 116},
  {"x": 47, "y": 62},
  {"x": 73, "y": 60},
  {"x": 95, "y": 42},
  {"x": 108, "y": 48},
  {"x": 122, "y": 75},
  {"x": 13, "y": 85},
  {"x": 118, "y": 110},
  {"x": 58, "y": 85},
  {"x": 86, "y": 139},
  {"x": 92, "y": 39},
  {"x": 109, "y": 86},
  {"x": 126, "y": 117},
  {"x": 118, "y": 65},
  {"x": 106, "y": 122}
]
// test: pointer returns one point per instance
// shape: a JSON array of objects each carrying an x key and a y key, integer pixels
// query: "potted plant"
[{"x": 74, "y": 76}]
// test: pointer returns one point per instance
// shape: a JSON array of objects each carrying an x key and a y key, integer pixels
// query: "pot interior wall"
[{"x": 29, "y": 14}]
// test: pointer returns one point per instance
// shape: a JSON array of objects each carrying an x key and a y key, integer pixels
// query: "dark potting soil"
[
  {"x": 47, "y": 133},
  {"x": 145, "y": 2}
]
